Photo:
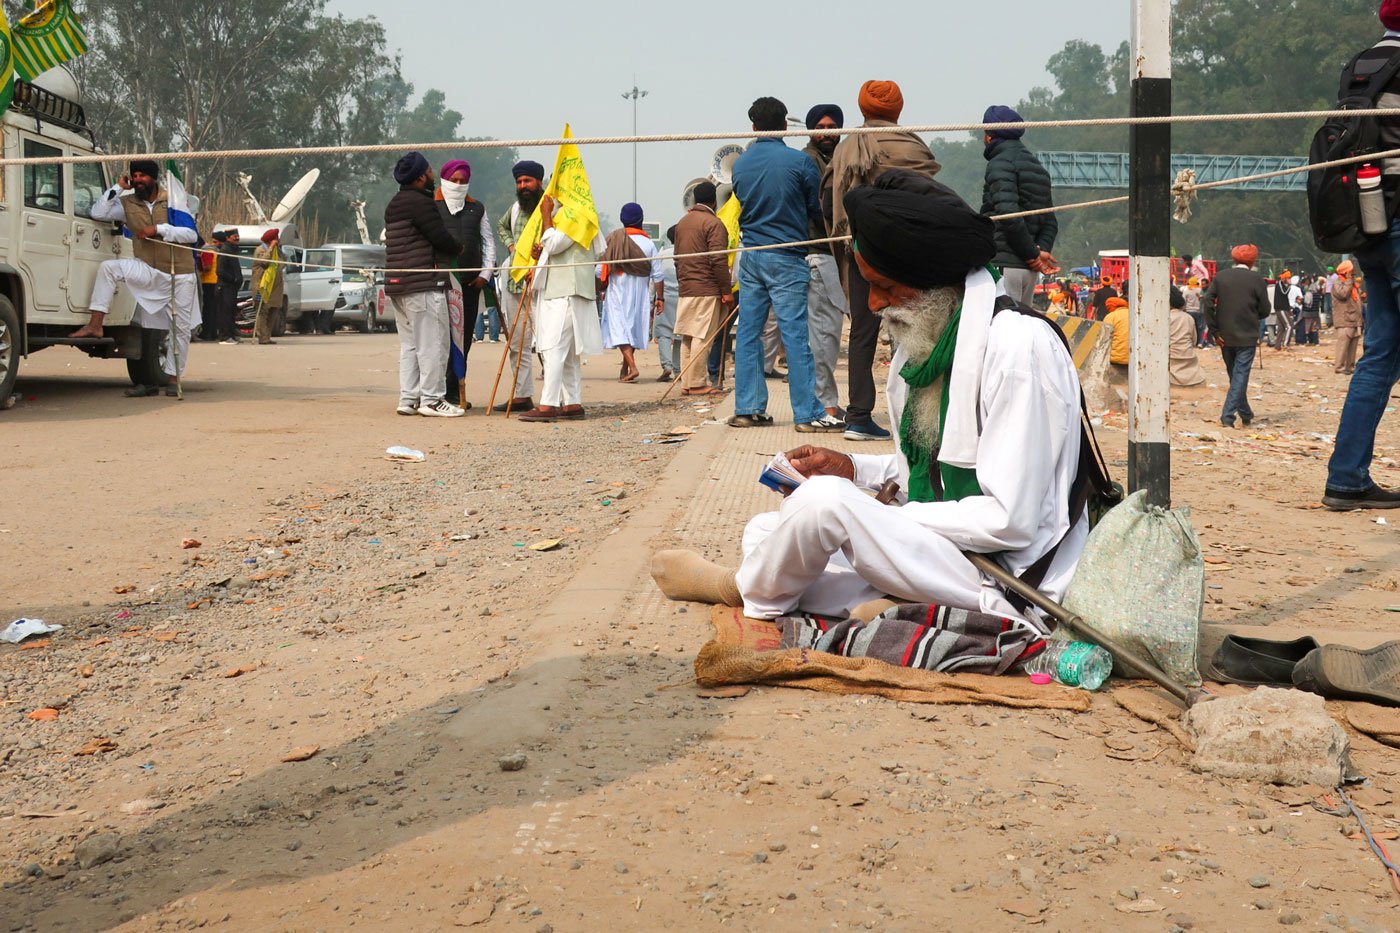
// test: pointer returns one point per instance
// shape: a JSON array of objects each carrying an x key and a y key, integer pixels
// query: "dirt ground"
[{"x": 395, "y": 618}]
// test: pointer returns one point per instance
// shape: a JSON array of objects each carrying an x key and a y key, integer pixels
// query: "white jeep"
[{"x": 50, "y": 248}]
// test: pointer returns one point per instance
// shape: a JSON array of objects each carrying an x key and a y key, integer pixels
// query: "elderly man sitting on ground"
[{"x": 987, "y": 401}]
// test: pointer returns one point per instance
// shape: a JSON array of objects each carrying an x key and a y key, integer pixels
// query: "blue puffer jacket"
[{"x": 1016, "y": 181}]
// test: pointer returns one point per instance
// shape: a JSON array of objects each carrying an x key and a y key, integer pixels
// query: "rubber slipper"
[{"x": 1341, "y": 673}]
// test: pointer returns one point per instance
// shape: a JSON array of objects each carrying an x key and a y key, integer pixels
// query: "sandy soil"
[{"x": 394, "y": 617}]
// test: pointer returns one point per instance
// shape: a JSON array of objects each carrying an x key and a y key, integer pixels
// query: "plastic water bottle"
[
  {"x": 1073, "y": 663},
  {"x": 1373, "y": 218}
]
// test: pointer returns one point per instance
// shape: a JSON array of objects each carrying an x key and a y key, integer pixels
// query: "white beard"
[{"x": 916, "y": 326}]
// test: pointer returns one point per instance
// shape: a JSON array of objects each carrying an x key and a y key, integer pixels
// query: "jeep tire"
[
  {"x": 10, "y": 339},
  {"x": 146, "y": 370}
]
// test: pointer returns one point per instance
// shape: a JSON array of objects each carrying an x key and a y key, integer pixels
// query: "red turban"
[
  {"x": 1390, "y": 14},
  {"x": 881, "y": 100},
  {"x": 1247, "y": 254},
  {"x": 271, "y": 235}
]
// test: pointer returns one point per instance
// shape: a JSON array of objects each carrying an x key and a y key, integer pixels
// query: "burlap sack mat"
[{"x": 742, "y": 653}]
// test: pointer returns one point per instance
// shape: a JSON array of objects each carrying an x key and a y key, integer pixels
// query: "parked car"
[{"x": 358, "y": 267}]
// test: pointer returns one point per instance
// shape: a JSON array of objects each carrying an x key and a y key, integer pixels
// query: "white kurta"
[
  {"x": 627, "y": 306},
  {"x": 572, "y": 318},
  {"x": 831, "y": 547}
]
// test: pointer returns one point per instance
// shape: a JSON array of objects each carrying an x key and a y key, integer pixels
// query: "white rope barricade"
[{"x": 388, "y": 148}]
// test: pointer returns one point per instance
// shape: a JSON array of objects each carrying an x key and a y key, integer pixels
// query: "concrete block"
[{"x": 1271, "y": 735}]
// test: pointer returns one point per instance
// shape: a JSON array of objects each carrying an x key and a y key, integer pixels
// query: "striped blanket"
[{"x": 923, "y": 636}]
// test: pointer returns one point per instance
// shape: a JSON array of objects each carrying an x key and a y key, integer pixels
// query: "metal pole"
[
  {"x": 1149, "y": 245},
  {"x": 634, "y": 95}
]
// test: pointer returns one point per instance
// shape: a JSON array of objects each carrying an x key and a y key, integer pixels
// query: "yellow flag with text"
[
  {"x": 575, "y": 214},
  {"x": 7, "y": 63}
]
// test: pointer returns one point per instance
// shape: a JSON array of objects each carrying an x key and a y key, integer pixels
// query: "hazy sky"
[{"x": 522, "y": 70}]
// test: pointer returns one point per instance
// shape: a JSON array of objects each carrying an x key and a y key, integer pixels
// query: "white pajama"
[
  {"x": 424, "y": 335},
  {"x": 838, "y": 548},
  {"x": 524, "y": 336},
  {"x": 563, "y": 377},
  {"x": 151, "y": 289}
]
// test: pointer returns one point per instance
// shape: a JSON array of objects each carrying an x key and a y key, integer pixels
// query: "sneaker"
[
  {"x": 1377, "y": 497},
  {"x": 442, "y": 408},
  {"x": 865, "y": 430},
  {"x": 230, "y": 341},
  {"x": 827, "y": 425},
  {"x": 756, "y": 420},
  {"x": 407, "y": 408}
]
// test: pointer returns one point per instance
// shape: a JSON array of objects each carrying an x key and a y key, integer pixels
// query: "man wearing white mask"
[{"x": 465, "y": 218}]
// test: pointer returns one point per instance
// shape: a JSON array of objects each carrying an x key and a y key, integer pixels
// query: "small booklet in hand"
[{"x": 780, "y": 475}]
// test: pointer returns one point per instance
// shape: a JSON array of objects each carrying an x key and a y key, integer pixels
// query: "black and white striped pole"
[{"x": 1149, "y": 245}]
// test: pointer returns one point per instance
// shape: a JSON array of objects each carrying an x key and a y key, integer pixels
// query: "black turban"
[
  {"x": 410, "y": 168},
  {"x": 918, "y": 232},
  {"x": 534, "y": 169},
  {"x": 825, "y": 110},
  {"x": 145, "y": 167}
]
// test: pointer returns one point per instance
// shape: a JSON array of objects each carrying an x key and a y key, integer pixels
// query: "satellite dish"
[
  {"x": 688, "y": 197},
  {"x": 287, "y": 208},
  {"x": 722, "y": 167},
  {"x": 58, "y": 81}
]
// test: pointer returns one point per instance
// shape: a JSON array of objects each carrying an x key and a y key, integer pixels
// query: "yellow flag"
[
  {"x": 729, "y": 216},
  {"x": 574, "y": 212}
]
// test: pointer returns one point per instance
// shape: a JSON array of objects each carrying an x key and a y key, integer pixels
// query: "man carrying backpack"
[{"x": 1349, "y": 483}]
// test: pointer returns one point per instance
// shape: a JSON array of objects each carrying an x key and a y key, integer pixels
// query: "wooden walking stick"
[
  {"x": 174, "y": 334},
  {"x": 703, "y": 353},
  {"x": 511, "y": 327},
  {"x": 524, "y": 315}
]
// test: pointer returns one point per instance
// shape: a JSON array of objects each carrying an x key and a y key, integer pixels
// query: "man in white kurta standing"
[
  {"x": 566, "y": 317},
  {"x": 987, "y": 467},
  {"x": 633, "y": 284},
  {"x": 152, "y": 219}
]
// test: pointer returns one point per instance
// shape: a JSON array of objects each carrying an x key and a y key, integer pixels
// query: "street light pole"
[{"x": 634, "y": 95}]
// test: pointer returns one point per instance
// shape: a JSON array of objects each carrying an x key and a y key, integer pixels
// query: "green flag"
[
  {"x": 48, "y": 37},
  {"x": 7, "y": 64}
]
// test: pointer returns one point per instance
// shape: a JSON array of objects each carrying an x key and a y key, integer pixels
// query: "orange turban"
[
  {"x": 1247, "y": 254},
  {"x": 881, "y": 100},
  {"x": 1106, "y": 279},
  {"x": 1344, "y": 267},
  {"x": 1285, "y": 274},
  {"x": 1113, "y": 304}
]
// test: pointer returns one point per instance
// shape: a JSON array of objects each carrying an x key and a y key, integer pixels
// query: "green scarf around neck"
[{"x": 958, "y": 482}]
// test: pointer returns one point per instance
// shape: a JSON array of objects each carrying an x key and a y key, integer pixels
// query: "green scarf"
[{"x": 958, "y": 482}]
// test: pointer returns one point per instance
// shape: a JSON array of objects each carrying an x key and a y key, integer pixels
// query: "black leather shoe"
[{"x": 1258, "y": 661}]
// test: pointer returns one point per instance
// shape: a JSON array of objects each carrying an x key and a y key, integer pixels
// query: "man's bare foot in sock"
[
  {"x": 686, "y": 576},
  {"x": 93, "y": 328}
]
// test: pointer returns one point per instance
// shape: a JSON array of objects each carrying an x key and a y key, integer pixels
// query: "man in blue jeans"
[
  {"x": 777, "y": 190},
  {"x": 1235, "y": 305},
  {"x": 1349, "y": 483}
]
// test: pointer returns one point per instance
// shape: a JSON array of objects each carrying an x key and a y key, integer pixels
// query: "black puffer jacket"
[
  {"x": 1016, "y": 181},
  {"x": 414, "y": 234}
]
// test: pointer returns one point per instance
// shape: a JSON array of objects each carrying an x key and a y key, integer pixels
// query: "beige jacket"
[{"x": 260, "y": 257}]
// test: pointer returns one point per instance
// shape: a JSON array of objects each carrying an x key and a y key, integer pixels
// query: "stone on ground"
[{"x": 1270, "y": 735}]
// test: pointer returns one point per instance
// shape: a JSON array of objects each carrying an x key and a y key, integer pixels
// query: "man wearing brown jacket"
[
  {"x": 861, "y": 160},
  {"x": 703, "y": 283}
]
